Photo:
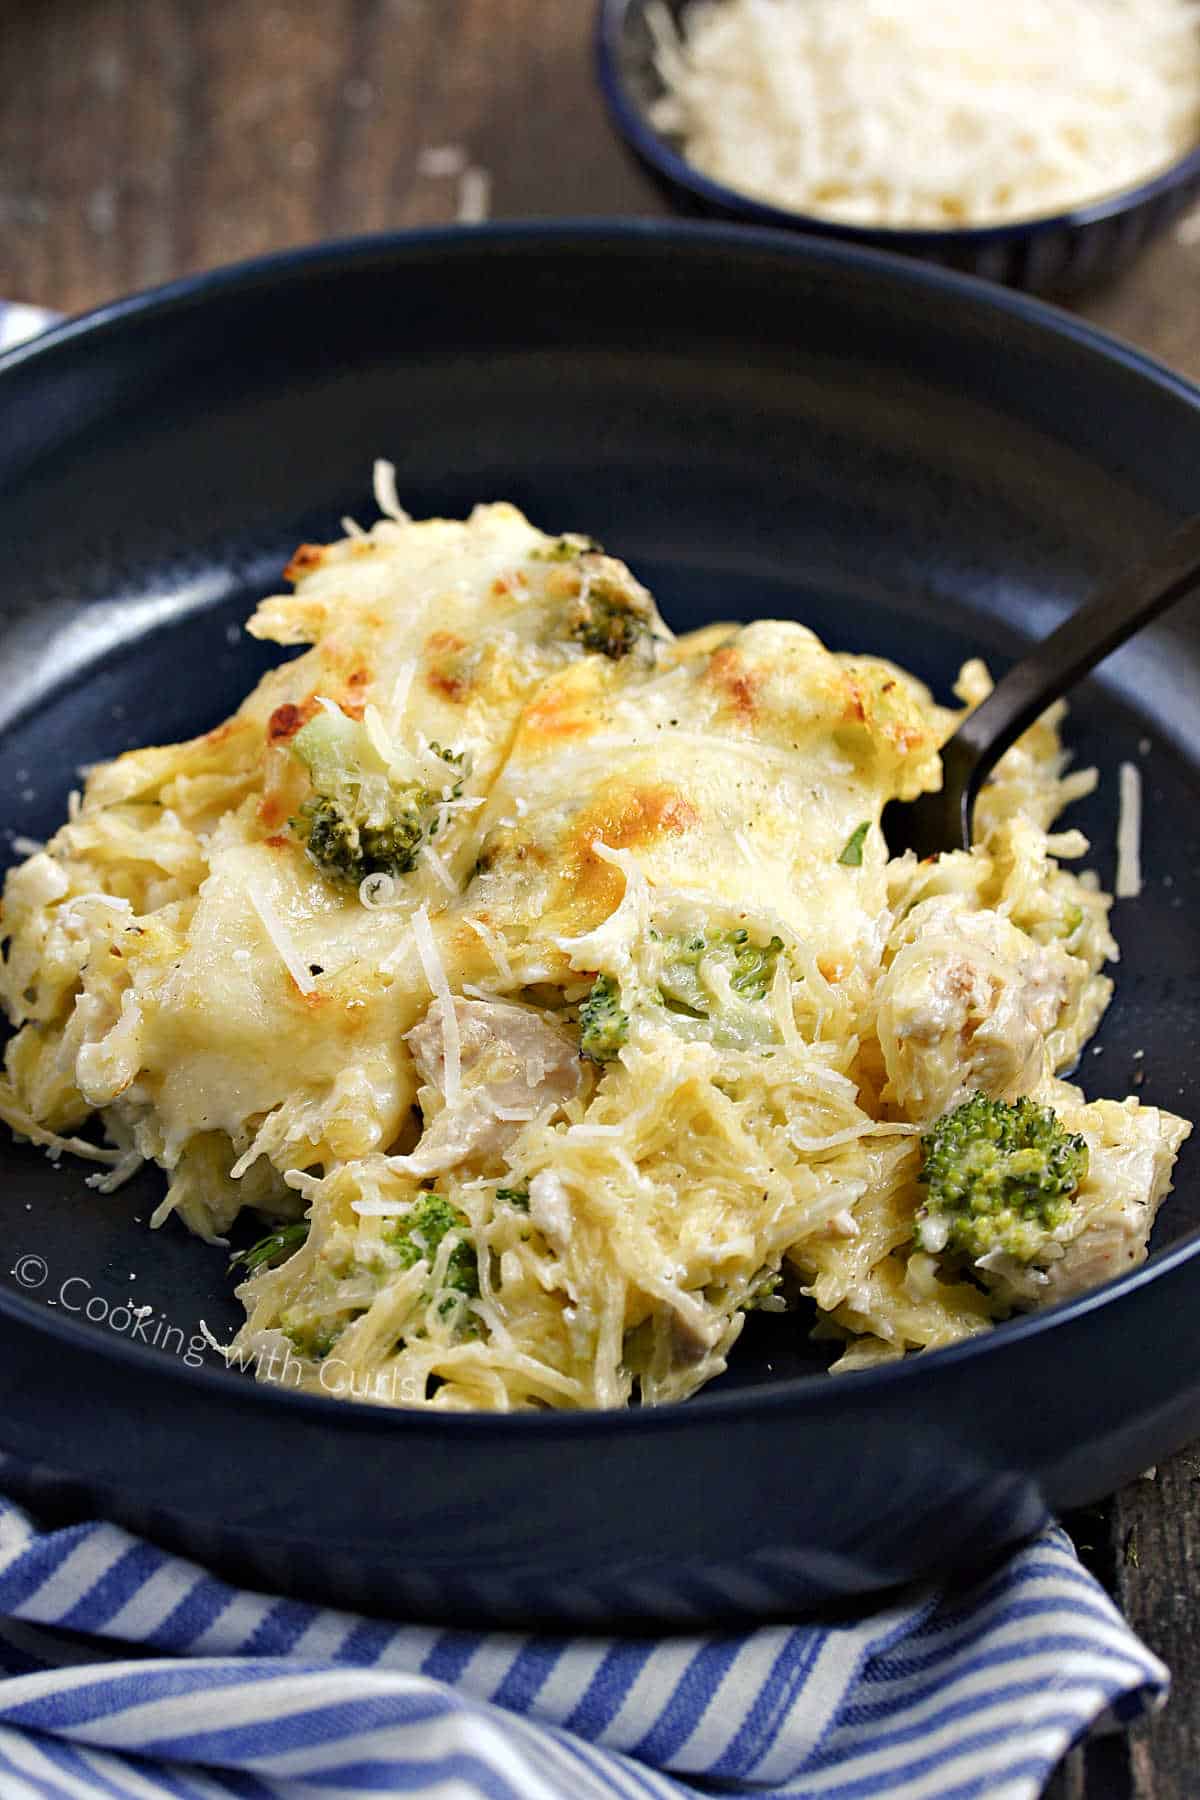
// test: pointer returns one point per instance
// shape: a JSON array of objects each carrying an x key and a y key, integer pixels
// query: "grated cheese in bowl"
[{"x": 929, "y": 113}]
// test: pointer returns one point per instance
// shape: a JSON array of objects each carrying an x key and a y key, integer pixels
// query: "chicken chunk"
[
  {"x": 967, "y": 1004},
  {"x": 513, "y": 1063},
  {"x": 1131, "y": 1154}
]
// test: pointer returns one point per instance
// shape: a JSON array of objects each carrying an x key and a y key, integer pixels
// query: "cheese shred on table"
[
  {"x": 909, "y": 113},
  {"x": 651, "y": 1044}
]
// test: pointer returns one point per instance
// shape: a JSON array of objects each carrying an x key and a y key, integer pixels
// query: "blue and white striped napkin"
[{"x": 128, "y": 1672}]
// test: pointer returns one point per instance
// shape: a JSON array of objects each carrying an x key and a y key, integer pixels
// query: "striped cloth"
[{"x": 129, "y": 1672}]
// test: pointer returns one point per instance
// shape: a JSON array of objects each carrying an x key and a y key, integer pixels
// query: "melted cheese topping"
[{"x": 625, "y": 810}]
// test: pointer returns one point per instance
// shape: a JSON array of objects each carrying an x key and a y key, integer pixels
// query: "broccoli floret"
[
  {"x": 753, "y": 964},
  {"x": 350, "y": 852},
  {"x": 567, "y": 548},
  {"x": 766, "y": 1288},
  {"x": 603, "y": 1024},
  {"x": 517, "y": 1197},
  {"x": 310, "y": 1338},
  {"x": 416, "y": 1238},
  {"x": 750, "y": 967},
  {"x": 275, "y": 1248},
  {"x": 360, "y": 820},
  {"x": 606, "y": 625},
  {"x": 611, "y": 613},
  {"x": 1072, "y": 919},
  {"x": 709, "y": 987},
  {"x": 1000, "y": 1177},
  {"x": 419, "y": 1235}
]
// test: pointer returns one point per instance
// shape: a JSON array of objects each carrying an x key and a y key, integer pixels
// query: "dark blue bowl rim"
[
  {"x": 797, "y": 1394},
  {"x": 654, "y": 149}
]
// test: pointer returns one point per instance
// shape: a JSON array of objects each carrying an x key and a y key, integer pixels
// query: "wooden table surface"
[{"x": 141, "y": 139}]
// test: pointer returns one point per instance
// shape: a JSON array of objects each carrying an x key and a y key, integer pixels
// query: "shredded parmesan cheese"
[
  {"x": 284, "y": 948},
  {"x": 439, "y": 987},
  {"x": 495, "y": 948},
  {"x": 400, "y": 691},
  {"x": 386, "y": 498},
  {"x": 474, "y": 196},
  {"x": 1129, "y": 834},
  {"x": 213, "y": 1342},
  {"x": 928, "y": 112},
  {"x": 430, "y": 857},
  {"x": 379, "y": 891},
  {"x": 394, "y": 958}
]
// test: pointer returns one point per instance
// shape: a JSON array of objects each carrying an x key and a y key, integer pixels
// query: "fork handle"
[{"x": 1092, "y": 632}]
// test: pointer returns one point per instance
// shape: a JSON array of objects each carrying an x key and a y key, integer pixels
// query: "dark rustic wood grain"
[
  {"x": 1157, "y": 1528},
  {"x": 143, "y": 139}
]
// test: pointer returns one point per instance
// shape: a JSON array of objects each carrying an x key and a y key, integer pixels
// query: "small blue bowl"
[{"x": 1061, "y": 253}]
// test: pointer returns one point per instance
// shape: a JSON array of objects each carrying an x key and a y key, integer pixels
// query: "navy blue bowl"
[
  {"x": 932, "y": 468},
  {"x": 1060, "y": 254}
]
